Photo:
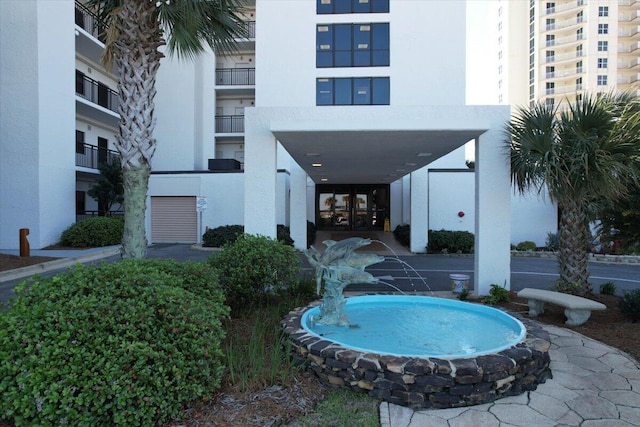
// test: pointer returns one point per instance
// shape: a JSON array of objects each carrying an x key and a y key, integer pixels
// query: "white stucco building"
[{"x": 344, "y": 113}]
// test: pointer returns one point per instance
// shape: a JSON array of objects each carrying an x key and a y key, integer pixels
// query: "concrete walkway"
[{"x": 593, "y": 385}]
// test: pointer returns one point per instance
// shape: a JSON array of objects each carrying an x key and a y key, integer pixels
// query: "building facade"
[
  {"x": 557, "y": 51},
  {"x": 338, "y": 112}
]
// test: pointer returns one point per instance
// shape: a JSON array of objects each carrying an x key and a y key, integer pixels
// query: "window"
[
  {"x": 550, "y": 72},
  {"x": 333, "y": 7},
  {"x": 550, "y": 55},
  {"x": 353, "y": 91},
  {"x": 579, "y": 34},
  {"x": 603, "y": 46},
  {"x": 550, "y": 88},
  {"x": 603, "y": 28},
  {"x": 79, "y": 142},
  {"x": 602, "y": 80},
  {"x": 579, "y": 83},
  {"x": 352, "y": 45},
  {"x": 551, "y": 24},
  {"x": 550, "y": 38},
  {"x": 579, "y": 50},
  {"x": 603, "y": 11},
  {"x": 602, "y": 62},
  {"x": 579, "y": 17},
  {"x": 80, "y": 78},
  {"x": 579, "y": 67},
  {"x": 549, "y": 102}
]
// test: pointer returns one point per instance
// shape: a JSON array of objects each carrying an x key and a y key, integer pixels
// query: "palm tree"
[
  {"x": 582, "y": 156},
  {"x": 137, "y": 29}
]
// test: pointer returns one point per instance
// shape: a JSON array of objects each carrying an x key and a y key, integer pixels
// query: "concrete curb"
[{"x": 31, "y": 270}]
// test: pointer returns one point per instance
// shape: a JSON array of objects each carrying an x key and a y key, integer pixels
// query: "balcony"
[
  {"x": 89, "y": 21},
  {"x": 569, "y": 7},
  {"x": 248, "y": 43},
  {"x": 629, "y": 48},
  {"x": 564, "y": 25},
  {"x": 90, "y": 33},
  {"x": 90, "y": 156},
  {"x": 629, "y": 17},
  {"x": 557, "y": 59},
  {"x": 235, "y": 81},
  {"x": 629, "y": 32},
  {"x": 230, "y": 124},
  {"x": 96, "y": 92}
]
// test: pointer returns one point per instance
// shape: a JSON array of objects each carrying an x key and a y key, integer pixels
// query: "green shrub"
[
  {"x": 402, "y": 233},
  {"x": 527, "y": 245},
  {"x": 608, "y": 288},
  {"x": 283, "y": 234},
  {"x": 94, "y": 232},
  {"x": 464, "y": 295},
  {"x": 127, "y": 343},
  {"x": 570, "y": 288},
  {"x": 630, "y": 304},
  {"x": 311, "y": 233},
  {"x": 553, "y": 241},
  {"x": 220, "y": 236},
  {"x": 255, "y": 267},
  {"x": 450, "y": 242},
  {"x": 497, "y": 294}
]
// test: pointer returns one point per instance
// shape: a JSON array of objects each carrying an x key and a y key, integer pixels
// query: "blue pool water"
[{"x": 419, "y": 326}]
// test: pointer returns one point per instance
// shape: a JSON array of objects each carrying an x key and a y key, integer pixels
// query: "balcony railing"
[
  {"x": 250, "y": 29},
  {"x": 229, "y": 124},
  {"x": 96, "y": 92},
  {"x": 89, "y": 21},
  {"x": 90, "y": 156},
  {"x": 236, "y": 76}
]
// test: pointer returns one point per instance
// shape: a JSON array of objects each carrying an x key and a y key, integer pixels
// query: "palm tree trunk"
[
  {"x": 574, "y": 243},
  {"x": 137, "y": 62}
]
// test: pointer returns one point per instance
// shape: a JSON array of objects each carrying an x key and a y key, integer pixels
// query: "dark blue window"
[
  {"x": 324, "y": 7},
  {"x": 353, "y": 91},
  {"x": 380, "y": 93},
  {"x": 352, "y": 45},
  {"x": 324, "y": 92}
]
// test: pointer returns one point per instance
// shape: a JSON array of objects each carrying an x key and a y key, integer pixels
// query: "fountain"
[{"x": 397, "y": 347}]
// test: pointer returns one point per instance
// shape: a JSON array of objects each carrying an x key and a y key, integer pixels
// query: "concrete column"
[
  {"x": 298, "y": 207},
  {"x": 419, "y": 210},
  {"x": 493, "y": 213},
  {"x": 260, "y": 167}
]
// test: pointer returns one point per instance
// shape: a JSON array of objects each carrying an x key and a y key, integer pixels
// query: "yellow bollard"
[
  {"x": 387, "y": 225},
  {"x": 24, "y": 243}
]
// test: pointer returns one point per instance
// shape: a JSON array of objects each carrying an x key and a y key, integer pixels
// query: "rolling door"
[{"x": 174, "y": 220}]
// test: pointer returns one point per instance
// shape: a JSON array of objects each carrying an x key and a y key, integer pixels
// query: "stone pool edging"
[{"x": 424, "y": 382}]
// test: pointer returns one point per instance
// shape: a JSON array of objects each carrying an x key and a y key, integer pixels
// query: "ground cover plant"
[{"x": 126, "y": 343}]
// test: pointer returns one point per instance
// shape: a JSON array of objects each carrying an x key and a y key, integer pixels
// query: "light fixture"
[
  {"x": 316, "y": 165},
  {"x": 324, "y": 179},
  {"x": 425, "y": 154},
  {"x": 312, "y": 154}
]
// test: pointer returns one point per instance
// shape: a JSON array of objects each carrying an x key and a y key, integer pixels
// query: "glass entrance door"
[{"x": 352, "y": 207}]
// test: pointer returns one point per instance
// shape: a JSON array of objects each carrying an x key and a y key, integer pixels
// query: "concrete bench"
[{"x": 577, "y": 309}]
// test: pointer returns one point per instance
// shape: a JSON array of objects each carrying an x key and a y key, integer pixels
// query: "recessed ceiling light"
[
  {"x": 409, "y": 164},
  {"x": 316, "y": 165},
  {"x": 312, "y": 154},
  {"x": 425, "y": 154},
  {"x": 324, "y": 179},
  {"x": 399, "y": 170}
]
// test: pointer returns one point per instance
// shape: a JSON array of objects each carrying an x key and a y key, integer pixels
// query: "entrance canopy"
[{"x": 359, "y": 157}]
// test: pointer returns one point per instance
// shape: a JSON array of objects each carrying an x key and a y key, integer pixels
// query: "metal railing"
[
  {"x": 236, "y": 76},
  {"x": 250, "y": 29},
  {"x": 90, "y": 156},
  {"x": 89, "y": 21},
  {"x": 229, "y": 124},
  {"x": 96, "y": 92}
]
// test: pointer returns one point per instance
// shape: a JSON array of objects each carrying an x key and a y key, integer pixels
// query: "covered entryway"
[
  {"x": 174, "y": 219},
  {"x": 352, "y": 207}
]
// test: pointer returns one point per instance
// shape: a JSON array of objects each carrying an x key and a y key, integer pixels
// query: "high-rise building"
[
  {"x": 350, "y": 114},
  {"x": 555, "y": 51}
]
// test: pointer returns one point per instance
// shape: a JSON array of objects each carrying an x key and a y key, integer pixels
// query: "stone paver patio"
[{"x": 593, "y": 385}]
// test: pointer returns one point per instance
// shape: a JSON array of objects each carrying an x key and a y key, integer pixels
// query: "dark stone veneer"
[{"x": 425, "y": 382}]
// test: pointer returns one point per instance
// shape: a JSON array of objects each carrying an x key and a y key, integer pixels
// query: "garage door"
[{"x": 174, "y": 220}]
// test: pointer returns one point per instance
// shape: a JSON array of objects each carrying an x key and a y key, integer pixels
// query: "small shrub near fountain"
[
  {"x": 497, "y": 294},
  {"x": 223, "y": 235},
  {"x": 444, "y": 241},
  {"x": 527, "y": 245},
  {"x": 608, "y": 288},
  {"x": 255, "y": 267},
  {"x": 630, "y": 304}
]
